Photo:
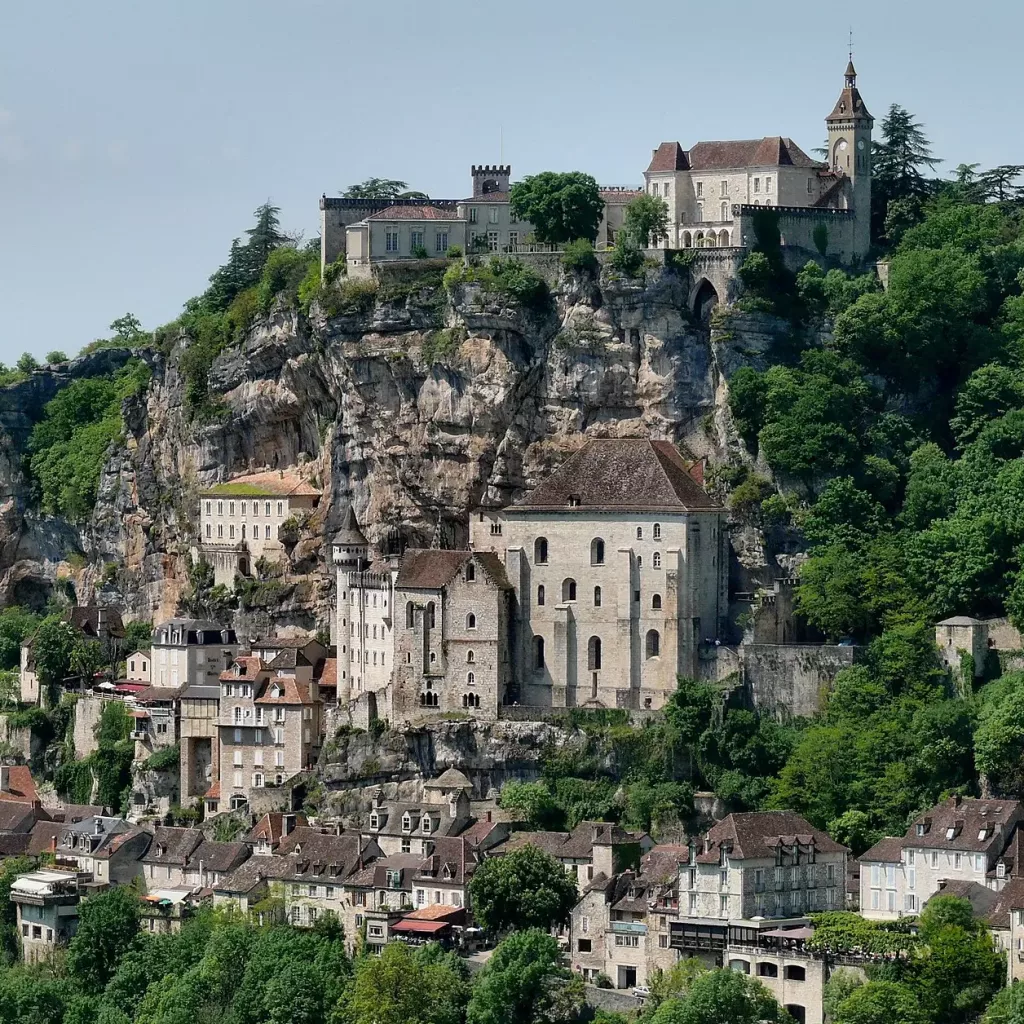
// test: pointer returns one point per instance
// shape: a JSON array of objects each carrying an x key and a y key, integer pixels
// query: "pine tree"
[
  {"x": 899, "y": 160},
  {"x": 266, "y": 235}
]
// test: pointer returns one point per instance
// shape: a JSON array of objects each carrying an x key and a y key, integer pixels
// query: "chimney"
[
  {"x": 97, "y": 827},
  {"x": 956, "y": 799},
  {"x": 5, "y": 779},
  {"x": 489, "y": 818}
]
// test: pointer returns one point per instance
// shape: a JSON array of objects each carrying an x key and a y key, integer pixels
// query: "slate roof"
[
  {"x": 770, "y": 151},
  {"x": 758, "y": 834},
  {"x": 219, "y": 857},
  {"x": 488, "y": 197},
  {"x": 252, "y": 873},
  {"x": 969, "y": 819},
  {"x": 577, "y": 844},
  {"x": 17, "y": 817},
  {"x": 983, "y": 900},
  {"x": 620, "y": 474},
  {"x": 14, "y": 844},
  {"x": 850, "y": 104},
  {"x": 172, "y": 845},
  {"x": 435, "y": 568},
  {"x": 961, "y": 620},
  {"x": 282, "y": 643},
  {"x": 660, "y": 865},
  {"x": 415, "y": 213},
  {"x": 272, "y": 483},
  {"x": 244, "y": 666},
  {"x": 21, "y": 787},
  {"x": 158, "y": 694},
  {"x": 121, "y": 839},
  {"x": 1011, "y": 897},
  {"x": 86, "y": 619},
  {"x": 43, "y": 837},
  {"x": 452, "y": 861},
  {"x": 391, "y": 815},
  {"x": 70, "y": 813},
  {"x": 349, "y": 534}
]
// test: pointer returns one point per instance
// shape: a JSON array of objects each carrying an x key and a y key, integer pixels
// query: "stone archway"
[{"x": 705, "y": 301}]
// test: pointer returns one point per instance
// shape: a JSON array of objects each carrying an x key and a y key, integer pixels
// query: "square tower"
[{"x": 488, "y": 178}]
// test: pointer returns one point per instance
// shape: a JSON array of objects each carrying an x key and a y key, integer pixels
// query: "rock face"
[{"x": 409, "y": 438}]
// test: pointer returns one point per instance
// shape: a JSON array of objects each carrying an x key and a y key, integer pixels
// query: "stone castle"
[
  {"x": 596, "y": 589},
  {"x": 713, "y": 191}
]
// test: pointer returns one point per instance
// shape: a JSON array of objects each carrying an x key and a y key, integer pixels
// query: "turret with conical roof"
[{"x": 349, "y": 545}]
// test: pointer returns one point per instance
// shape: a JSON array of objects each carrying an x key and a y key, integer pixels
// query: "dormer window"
[
  {"x": 1001, "y": 870},
  {"x": 983, "y": 832},
  {"x": 574, "y": 501},
  {"x": 922, "y": 828},
  {"x": 951, "y": 832},
  {"x": 406, "y": 823},
  {"x": 374, "y": 821}
]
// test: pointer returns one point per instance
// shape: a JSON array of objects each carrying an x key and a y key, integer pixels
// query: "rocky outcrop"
[{"x": 414, "y": 410}]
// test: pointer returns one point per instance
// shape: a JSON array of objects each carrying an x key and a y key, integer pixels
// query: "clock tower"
[{"x": 849, "y": 154}]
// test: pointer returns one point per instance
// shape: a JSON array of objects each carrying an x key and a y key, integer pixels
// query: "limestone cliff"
[{"x": 415, "y": 407}]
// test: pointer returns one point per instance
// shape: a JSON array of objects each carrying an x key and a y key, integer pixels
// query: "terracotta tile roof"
[
  {"x": 275, "y": 483},
  {"x": 43, "y": 837},
  {"x": 291, "y": 691},
  {"x": 758, "y": 834},
  {"x": 886, "y": 851},
  {"x": 244, "y": 666},
  {"x": 21, "y": 787},
  {"x": 158, "y": 694},
  {"x": 414, "y": 213},
  {"x": 213, "y": 793},
  {"x": 429, "y": 568},
  {"x": 329, "y": 675},
  {"x": 172, "y": 845},
  {"x": 282, "y": 643},
  {"x": 452, "y": 861},
  {"x": 620, "y": 474},
  {"x": 271, "y": 827},
  {"x": 218, "y": 857},
  {"x": 660, "y": 865},
  {"x": 669, "y": 156},
  {"x": 770, "y": 151}
]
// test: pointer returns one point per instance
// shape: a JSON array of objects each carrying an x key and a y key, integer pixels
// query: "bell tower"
[{"x": 849, "y": 153}]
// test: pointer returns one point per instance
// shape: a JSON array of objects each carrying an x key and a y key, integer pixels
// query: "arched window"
[
  {"x": 540, "y": 551},
  {"x": 653, "y": 646},
  {"x": 597, "y": 597},
  {"x": 725, "y": 212},
  {"x": 431, "y": 615},
  {"x": 593, "y": 654},
  {"x": 687, "y": 240},
  {"x": 657, "y": 531},
  {"x": 540, "y": 594},
  {"x": 538, "y": 652},
  {"x": 433, "y": 657},
  {"x": 470, "y": 657},
  {"x": 470, "y": 572},
  {"x": 656, "y": 602},
  {"x": 471, "y": 700},
  {"x": 470, "y": 621},
  {"x": 471, "y": 679},
  {"x": 639, "y": 533},
  {"x": 657, "y": 560},
  {"x": 597, "y": 551},
  {"x": 569, "y": 589}
]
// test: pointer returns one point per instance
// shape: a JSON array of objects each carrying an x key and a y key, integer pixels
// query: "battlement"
[
  {"x": 502, "y": 169},
  {"x": 376, "y": 205},
  {"x": 368, "y": 580},
  {"x": 817, "y": 212}
]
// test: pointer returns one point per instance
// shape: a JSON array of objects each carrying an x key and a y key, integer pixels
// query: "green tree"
[
  {"x": 881, "y": 1002},
  {"x": 27, "y": 362},
  {"x": 56, "y": 356},
  {"x": 382, "y": 188},
  {"x": 899, "y": 159},
  {"x": 525, "y": 983},
  {"x": 53, "y": 646},
  {"x": 721, "y": 997},
  {"x": 842, "y": 983},
  {"x": 531, "y": 802},
  {"x": 127, "y": 328},
  {"x": 1007, "y": 1007},
  {"x": 647, "y": 219},
  {"x": 265, "y": 235},
  {"x": 138, "y": 635},
  {"x": 16, "y": 625},
  {"x": 561, "y": 206},
  {"x": 107, "y": 925},
  {"x": 526, "y": 888}
]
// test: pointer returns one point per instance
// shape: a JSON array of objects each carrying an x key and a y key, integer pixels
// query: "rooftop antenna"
[
  {"x": 501, "y": 145},
  {"x": 851, "y": 44}
]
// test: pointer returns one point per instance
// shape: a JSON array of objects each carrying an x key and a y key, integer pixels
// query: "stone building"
[
  {"x": 402, "y": 233},
  {"x": 106, "y": 848},
  {"x": 248, "y": 518},
  {"x": 47, "y": 911},
  {"x": 452, "y": 648},
  {"x": 269, "y": 729},
  {"x": 189, "y": 652},
  {"x": 960, "y": 635},
  {"x": 714, "y": 189},
  {"x": 363, "y": 624},
  {"x": 300, "y": 656},
  {"x": 618, "y": 567},
  {"x": 960, "y": 839},
  {"x": 407, "y": 827},
  {"x": 199, "y": 708}
]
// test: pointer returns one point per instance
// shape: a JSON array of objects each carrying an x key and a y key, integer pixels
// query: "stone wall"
[
  {"x": 789, "y": 680},
  {"x": 88, "y": 710}
]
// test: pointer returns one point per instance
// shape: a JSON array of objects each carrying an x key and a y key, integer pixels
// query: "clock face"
[
  {"x": 842, "y": 144},
  {"x": 860, "y": 144}
]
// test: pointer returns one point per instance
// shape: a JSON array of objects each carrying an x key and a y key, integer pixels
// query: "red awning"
[{"x": 428, "y": 927}]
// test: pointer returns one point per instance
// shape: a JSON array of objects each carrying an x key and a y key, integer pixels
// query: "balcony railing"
[{"x": 629, "y": 927}]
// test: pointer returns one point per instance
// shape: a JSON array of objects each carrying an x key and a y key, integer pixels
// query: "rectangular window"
[
  {"x": 236, "y": 780},
  {"x": 935, "y": 858},
  {"x": 209, "y": 531},
  {"x": 220, "y": 508},
  {"x": 810, "y": 185},
  {"x": 231, "y": 508},
  {"x": 768, "y": 183},
  {"x": 492, "y": 241},
  {"x": 700, "y": 189},
  {"x": 725, "y": 187},
  {"x": 266, "y": 508},
  {"x": 473, "y": 214},
  {"x": 220, "y": 530},
  {"x": 209, "y": 506},
  {"x": 415, "y": 240},
  {"x": 911, "y": 902},
  {"x": 231, "y": 531},
  {"x": 237, "y": 759},
  {"x": 513, "y": 239},
  {"x": 257, "y": 759},
  {"x": 441, "y": 241},
  {"x": 876, "y": 897},
  {"x": 244, "y": 504},
  {"x": 390, "y": 245},
  {"x": 655, "y": 189},
  {"x": 267, "y": 530},
  {"x": 979, "y": 862},
  {"x": 890, "y": 876},
  {"x": 890, "y": 900},
  {"x": 757, "y": 184},
  {"x": 957, "y": 859},
  {"x": 492, "y": 215},
  {"x": 583, "y": 945},
  {"x": 723, "y": 905},
  {"x": 280, "y": 508},
  {"x": 911, "y": 878}
]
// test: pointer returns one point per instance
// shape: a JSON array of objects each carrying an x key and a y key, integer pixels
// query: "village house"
[
  {"x": 960, "y": 839},
  {"x": 300, "y": 656},
  {"x": 107, "y": 849},
  {"x": 249, "y": 517},
  {"x": 168, "y": 853},
  {"x": 269, "y": 729},
  {"x": 47, "y": 912},
  {"x": 137, "y": 666},
  {"x": 264, "y": 838}
]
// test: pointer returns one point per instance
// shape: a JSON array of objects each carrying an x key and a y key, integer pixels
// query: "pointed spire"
[{"x": 436, "y": 542}]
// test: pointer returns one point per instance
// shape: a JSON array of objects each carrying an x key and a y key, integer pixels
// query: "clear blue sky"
[{"x": 136, "y": 138}]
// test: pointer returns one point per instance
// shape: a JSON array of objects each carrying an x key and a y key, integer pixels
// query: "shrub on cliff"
[{"x": 579, "y": 257}]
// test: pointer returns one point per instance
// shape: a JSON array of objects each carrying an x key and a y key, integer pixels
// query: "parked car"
[{"x": 641, "y": 991}]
